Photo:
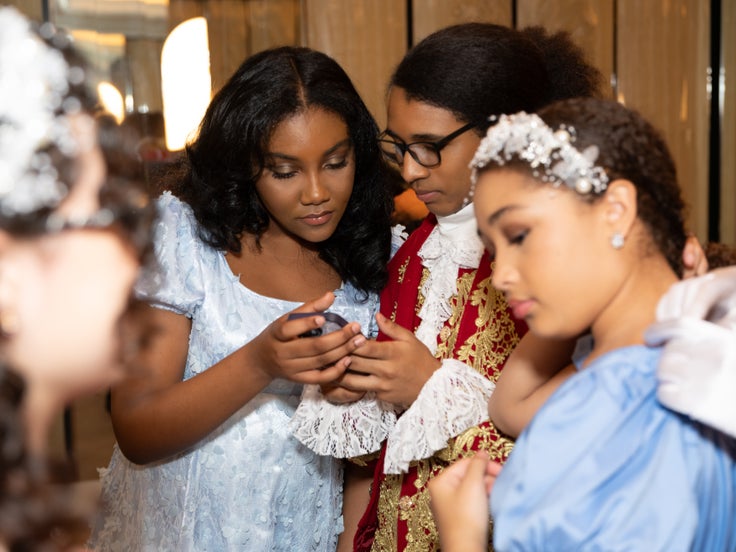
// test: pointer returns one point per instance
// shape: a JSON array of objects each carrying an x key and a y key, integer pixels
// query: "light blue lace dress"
[{"x": 250, "y": 485}]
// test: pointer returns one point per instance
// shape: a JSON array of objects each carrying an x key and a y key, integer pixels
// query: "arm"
[
  {"x": 355, "y": 501},
  {"x": 155, "y": 414},
  {"x": 533, "y": 371}
]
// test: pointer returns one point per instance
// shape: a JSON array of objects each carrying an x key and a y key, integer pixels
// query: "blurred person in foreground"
[{"x": 73, "y": 232}]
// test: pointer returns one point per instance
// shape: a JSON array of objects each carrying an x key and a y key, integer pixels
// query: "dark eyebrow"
[
  {"x": 493, "y": 218},
  {"x": 333, "y": 149}
]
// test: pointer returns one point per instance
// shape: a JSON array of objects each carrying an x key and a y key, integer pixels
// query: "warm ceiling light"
[
  {"x": 186, "y": 84},
  {"x": 112, "y": 100}
]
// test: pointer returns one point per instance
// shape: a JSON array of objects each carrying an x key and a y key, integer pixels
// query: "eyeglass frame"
[{"x": 437, "y": 145}]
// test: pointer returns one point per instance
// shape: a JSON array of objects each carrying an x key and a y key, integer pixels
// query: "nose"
[
  {"x": 504, "y": 273},
  {"x": 314, "y": 192},
  {"x": 411, "y": 170}
]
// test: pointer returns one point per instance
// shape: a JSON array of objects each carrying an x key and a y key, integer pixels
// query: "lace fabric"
[
  {"x": 453, "y": 244},
  {"x": 341, "y": 430},
  {"x": 453, "y": 400}
]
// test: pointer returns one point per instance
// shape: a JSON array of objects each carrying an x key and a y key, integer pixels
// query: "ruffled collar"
[{"x": 453, "y": 244}]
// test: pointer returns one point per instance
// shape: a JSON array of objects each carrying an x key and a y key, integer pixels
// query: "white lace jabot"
[{"x": 453, "y": 244}]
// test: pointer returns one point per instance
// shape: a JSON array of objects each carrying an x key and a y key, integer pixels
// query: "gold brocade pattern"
[
  {"x": 386, "y": 534},
  {"x": 420, "y": 295},
  {"x": 402, "y": 270},
  {"x": 414, "y": 510},
  {"x": 487, "y": 349},
  {"x": 449, "y": 333}
]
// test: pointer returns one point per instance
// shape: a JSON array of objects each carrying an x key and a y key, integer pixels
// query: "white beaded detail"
[
  {"x": 549, "y": 153},
  {"x": 34, "y": 85}
]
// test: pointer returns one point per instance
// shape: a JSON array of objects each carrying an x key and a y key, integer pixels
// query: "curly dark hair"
[
  {"x": 720, "y": 255},
  {"x": 34, "y": 515},
  {"x": 224, "y": 162},
  {"x": 629, "y": 148},
  {"x": 476, "y": 70}
]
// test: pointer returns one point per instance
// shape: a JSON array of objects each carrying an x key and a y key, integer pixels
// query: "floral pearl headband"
[
  {"x": 35, "y": 81},
  {"x": 548, "y": 152}
]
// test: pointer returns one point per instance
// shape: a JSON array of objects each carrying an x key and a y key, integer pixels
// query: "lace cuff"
[
  {"x": 341, "y": 430},
  {"x": 453, "y": 400}
]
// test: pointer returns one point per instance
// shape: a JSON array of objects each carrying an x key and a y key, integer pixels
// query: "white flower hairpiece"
[
  {"x": 548, "y": 152},
  {"x": 34, "y": 85}
]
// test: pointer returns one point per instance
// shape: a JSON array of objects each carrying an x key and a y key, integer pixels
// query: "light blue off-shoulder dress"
[
  {"x": 604, "y": 467},
  {"x": 250, "y": 485}
]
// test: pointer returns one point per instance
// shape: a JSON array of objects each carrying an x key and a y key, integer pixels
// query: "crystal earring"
[{"x": 617, "y": 240}]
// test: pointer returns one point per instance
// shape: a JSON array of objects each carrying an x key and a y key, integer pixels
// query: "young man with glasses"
[{"x": 445, "y": 332}]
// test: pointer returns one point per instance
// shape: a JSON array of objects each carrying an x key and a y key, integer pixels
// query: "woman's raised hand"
[{"x": 280, "y": 352}]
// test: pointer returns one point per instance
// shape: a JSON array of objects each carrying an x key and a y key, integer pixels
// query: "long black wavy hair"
[
  {"x": 475, "y": 70},
  {"x": 226, "y": 159}
]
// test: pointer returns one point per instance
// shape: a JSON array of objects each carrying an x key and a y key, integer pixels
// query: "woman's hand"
[
  {"x": 395, "y": 370},
  {"x": 280, "y": 352},
  {"x": 459, "y": 503}
]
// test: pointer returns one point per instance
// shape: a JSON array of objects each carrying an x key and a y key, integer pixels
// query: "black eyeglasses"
[
  {"x": 427, "y": 154},
  {"x": 124, "y": 208}
]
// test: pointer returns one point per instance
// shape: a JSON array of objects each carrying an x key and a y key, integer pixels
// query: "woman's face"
[
  {"x": 68, "y": 292},
  {"x": 442, "y": 188},
  {"x": 552, "y": 251},
  {"x": 308, "y": 175}
]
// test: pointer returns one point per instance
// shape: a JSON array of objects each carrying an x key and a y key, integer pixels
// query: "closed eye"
[
  {"x": 283, "y": 175},
  {"x": 518, "y": 238},
  {"x": 336, "y": 165}
]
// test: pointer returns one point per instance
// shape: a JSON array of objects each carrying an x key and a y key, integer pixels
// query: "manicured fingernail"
[{"x": 358, "y": 341}]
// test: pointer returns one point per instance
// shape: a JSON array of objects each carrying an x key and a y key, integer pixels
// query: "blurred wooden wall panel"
[
  {"x": 31, "y": 9},
  {"x": 589, "y": 22},
  {"x": 728, "y": 128},
  {"x": 272, "y": 23},
  {"x": 227, "y": 32},
  {"x": 144, "y": 63},
  {"x": 663, "y": 57},
  {"x": 367, "y": 37},
  {"x": 240, "y": 28},
  {"x": 181, "y": 10},
  {"x": 431, "y": 15}
]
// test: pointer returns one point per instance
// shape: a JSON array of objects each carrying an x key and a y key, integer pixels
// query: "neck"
[
  {"x": 624, "y": 320},
  {"x": 280, "y": 246}
]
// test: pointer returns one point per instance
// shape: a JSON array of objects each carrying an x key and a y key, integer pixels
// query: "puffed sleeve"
[
  {"x": 174, "y": 281},
  {"x": 603, "y": 466}
]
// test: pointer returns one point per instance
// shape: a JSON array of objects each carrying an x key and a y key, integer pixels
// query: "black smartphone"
[{"x": 333, "y": 322}]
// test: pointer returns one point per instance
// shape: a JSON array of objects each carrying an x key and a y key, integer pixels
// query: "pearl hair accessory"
[
  {"x": 548, "y": 152},
  {"x": 35, "y": 82}
]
